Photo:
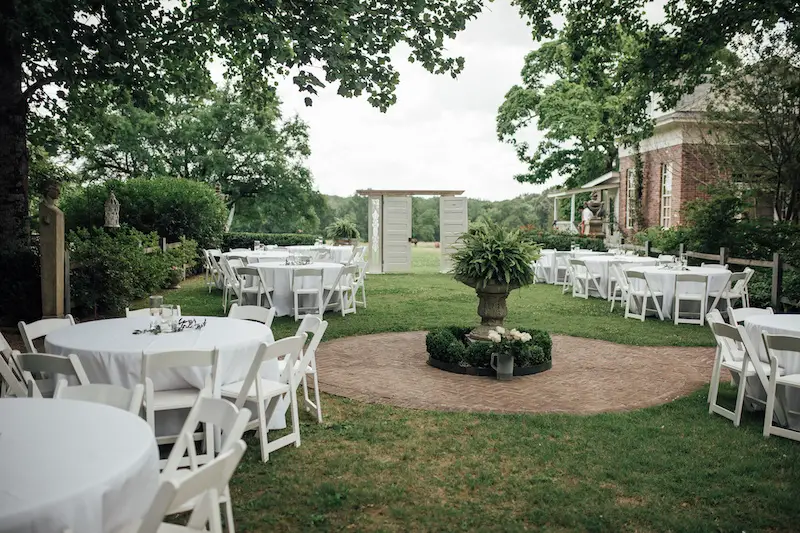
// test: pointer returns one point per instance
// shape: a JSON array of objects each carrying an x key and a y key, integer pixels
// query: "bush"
[
  {"x": 246, "y": 240},
  {"x": 450, "y": 345},
  {"x": 112, "y": 269},
  {"x": 22, "y": 287},
  {"x": 342, "y": 229},
  {"x": 563, "y": 241},
  {"x": 170, "y": 207},
  {"x": 489, "y": 253}
]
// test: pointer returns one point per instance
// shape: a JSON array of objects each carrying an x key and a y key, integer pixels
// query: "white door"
[
  {"x": 453, "y": 221},
  {"x": 396, "y": 233}
]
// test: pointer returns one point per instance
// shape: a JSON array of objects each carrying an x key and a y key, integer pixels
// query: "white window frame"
[
  {"x": 666, "y": 195},
  {"x": 631, "y": 180}
]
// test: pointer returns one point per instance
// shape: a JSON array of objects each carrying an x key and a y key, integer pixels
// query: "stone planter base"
[{"x": 455, "y": 368}]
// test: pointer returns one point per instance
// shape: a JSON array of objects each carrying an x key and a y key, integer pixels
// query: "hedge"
[
  {"x": 563, "y": 241},
  {"x": 246, "y": 240},
  {"x": 170, "y": 207},
  {"x": 450, "y": 345}
]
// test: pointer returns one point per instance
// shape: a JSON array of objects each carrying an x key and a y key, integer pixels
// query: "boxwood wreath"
[{"x": 449, "y": 349}]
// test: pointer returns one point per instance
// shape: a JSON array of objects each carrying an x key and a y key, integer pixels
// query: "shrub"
[
  {"x": 489, "y": 253},
  {"x": 563, "y": 241},
  {"x": 22, "y": 287},
  {"x": 170, "y": 207},
  {"x": 246, "y": 240},
  {"x": 450, "y": 345},
  {"x": 341, "y": 229},
  {"x": 112, "y": 269}
]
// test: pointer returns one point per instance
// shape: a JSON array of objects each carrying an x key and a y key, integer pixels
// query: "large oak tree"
[{"x": 149, "y": 49}]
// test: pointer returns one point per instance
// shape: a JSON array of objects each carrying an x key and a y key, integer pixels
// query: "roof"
[
  {"x": 409, "y": 192},
  {"x": 609, "y": 180}
]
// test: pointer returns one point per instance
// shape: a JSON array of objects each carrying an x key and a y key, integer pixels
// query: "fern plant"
[
  {"x": 341, "y": 229},
  {"x": 491, "y": 254}
]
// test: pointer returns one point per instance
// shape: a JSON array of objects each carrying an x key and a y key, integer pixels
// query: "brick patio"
[{"x": 588, "y": 376}]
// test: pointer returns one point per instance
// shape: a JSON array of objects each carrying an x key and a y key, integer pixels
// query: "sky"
[{"x": 441, "y": 132}]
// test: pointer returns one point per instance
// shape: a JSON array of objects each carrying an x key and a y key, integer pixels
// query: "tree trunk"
[{"x": 14, "y": 223}]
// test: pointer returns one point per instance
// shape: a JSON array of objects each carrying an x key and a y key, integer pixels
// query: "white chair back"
[
  {"x": 255, "y": 313},
  {"x": 314, "y": 329},
  {"x": 202, "y": 487},
  {"x": 714, "y": 265},
  {"x": 737, "y": 316},
  {"x": 127, "y": 399},
  {"x": 13, "y": 382},
  {"x": 39, "y": 371},
  {"x": 290, "y": 347},
  {"x": 40, "y": 328}
]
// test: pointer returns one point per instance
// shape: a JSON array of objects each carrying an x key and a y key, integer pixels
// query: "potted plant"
[
  {"x": 343, "y": 231},
  {"x": 508, "y": 344},
  {"x": 494, "y": 261}
]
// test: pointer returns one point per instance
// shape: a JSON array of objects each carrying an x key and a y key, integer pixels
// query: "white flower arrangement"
[{"x": 509, "y": 342}]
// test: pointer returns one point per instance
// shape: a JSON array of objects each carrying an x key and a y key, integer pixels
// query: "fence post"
[
  {"x": 67, "y": 302},
  {"x": 164, "y": 244},
  {"x": 723, "y": 255},
  {"x": 647, "y": 248},
  {"x": 680, "y": 250},
  {"x": 777, "y": 281}
]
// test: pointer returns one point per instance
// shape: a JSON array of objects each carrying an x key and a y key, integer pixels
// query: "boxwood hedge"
[
  {"x": 450, "y": 345},
  {"x": 246, "y": 240}
]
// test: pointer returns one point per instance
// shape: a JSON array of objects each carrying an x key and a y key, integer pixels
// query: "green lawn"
[{"x": 380, "y": 468}]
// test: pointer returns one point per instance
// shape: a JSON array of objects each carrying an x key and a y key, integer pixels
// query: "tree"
[
  {"x": 581, "y": 112},
  {"x": 147, "y": 49}
]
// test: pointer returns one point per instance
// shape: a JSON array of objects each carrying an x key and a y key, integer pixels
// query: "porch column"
[
  {"x": 555, "y": 209},
  {"x": 572, "y": 211}
]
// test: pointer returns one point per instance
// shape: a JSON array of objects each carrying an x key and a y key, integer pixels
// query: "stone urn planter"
[
  {"x": 344, "y": 242},
  {"x": 491, "y": 306}
]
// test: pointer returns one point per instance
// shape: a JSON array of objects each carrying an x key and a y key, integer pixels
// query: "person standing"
[{"x": 586, "y": 216}]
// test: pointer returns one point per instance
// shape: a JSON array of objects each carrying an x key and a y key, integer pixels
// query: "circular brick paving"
[{"x": 588, "y": 376}]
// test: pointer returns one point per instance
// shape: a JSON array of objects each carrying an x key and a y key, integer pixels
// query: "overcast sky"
[{"x": 441, "y": 132}]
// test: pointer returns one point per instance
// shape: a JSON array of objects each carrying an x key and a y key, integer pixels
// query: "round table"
[
  {"x": 599, "y": 265},
  {"x": 663, "y": 280},
  {"x": 111, "y": 353},
  {"x": 339, "y": 254},
  {"x": 279, "y": 277},
  {"x": 71, "y": 464},
  {"x": 776, "y": 325},
  {"x": 253, "y": 256},
  {"x": 547, "y": 259}
]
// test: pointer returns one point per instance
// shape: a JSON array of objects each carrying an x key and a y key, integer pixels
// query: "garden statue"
[
  {"x": 51, "y": 249},
  {"x": 594, "y": 227}
]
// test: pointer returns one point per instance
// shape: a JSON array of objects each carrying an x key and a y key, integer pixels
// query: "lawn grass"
[{"x": 381, "y": 468}]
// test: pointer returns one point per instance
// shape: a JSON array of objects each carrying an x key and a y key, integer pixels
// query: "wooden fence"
[{"x": 723, "y": 258}]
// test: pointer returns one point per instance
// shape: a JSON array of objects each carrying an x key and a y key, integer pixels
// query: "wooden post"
[
  {"x": 555, "y": 209},
  {"x": 164, "y": 244},
  {"x": 723, "y": 255},
  {"x": 680, "y": 250},
  {"x": 647, "y": 248},
  {"x": 67, "y": 302},
  {"x": 777, "y": 281}
]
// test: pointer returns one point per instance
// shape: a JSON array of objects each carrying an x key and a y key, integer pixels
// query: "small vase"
[{"x": 503, "y": 364}]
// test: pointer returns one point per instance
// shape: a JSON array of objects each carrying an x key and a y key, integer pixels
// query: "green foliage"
[
  {"x": 112, "y": 269},
  {"x": 171, "y": 207},
  {"x": 246, "y": 240},
  {"x": 713, "y": 220},
  {"x": 342, "y": 229},
  {"x": 186, "y": 254},
  {"x": 489, "y": 253},
  {"x": 667, "y": 240},
  {"x": 450, "y": 345},
  {"x": 22, "y": 286},
  {"x": 559, "y": 240}
]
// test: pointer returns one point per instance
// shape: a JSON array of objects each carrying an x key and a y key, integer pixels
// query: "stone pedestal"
[
  {"x": 596, "y": 227},
  {"x": 491, "y": 308},
  {"x": 51, "y": 246}
]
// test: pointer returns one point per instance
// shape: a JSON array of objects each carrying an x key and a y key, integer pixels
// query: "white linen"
[
  {"x": 547, "y": 259},
  {"x": 339, "y": 254},
  {"x": 663, "y": 280},
  {"x": 72, "y": 464},
  {"x": 111, "y": 353},
  {"x": 599, "y": 265},
  {"x": 776, "y": 325},
  {"x": 280, "y": 278},
  {"x": 253, "y": 256}
]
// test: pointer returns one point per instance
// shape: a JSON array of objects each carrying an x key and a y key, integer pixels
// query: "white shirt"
[{"x": 587, "y": 214}]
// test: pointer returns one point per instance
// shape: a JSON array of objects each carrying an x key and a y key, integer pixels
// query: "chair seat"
[
  {"x": 252, "y": 290},
  {"x": 736, "y": 366},
  {"x": 282, "y": 366},
  {"x": 306, "y": 291},
  {"x": 725, "y": 294},
  {"x": 792, "y": 380},
  {"x": 644, "y": 292},
  {"x": 268, "y": 387},
  {"x": 691, "y": 296},
  {"x": 174, "y": 399}
]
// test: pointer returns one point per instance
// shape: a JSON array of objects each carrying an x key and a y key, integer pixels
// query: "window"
[
  {"x": 666, "y": 195},
  {"x": 631, "y": 177}
]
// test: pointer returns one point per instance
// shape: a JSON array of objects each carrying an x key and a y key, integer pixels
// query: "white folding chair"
[
  {"x": 216, "y": 269},
  {"x": 738, "y": 316},
  {"x": 42, "y": 370},
  {"x": 666, "y": 259},
  {"x": 40, "y": 328},
  {"x": 539, "y": 272},
  {"x": 217, "y": 416},
  {"x": 561, "y": 265},
  {"x": 308, "y": 282},
  {"x": 130, "y": 313},
  {"x": 322, "y": 254},
  {"x": 344, "y": 286},
  {"x": 789, "y": 348},
  {"x": 735, "y": 289},
  {"x": 645, "y": 294},
  {"x": 126, "y": 399},
  {"x": 155, "y": 362},
  {"x": 255, "y": 313},
  {"x": 201, "y": 487},
  {"x": 714, "y": 265},
  {"x": 250, "y": 282},
  {"x": 211, "y": 272},
  {"x": 582, "y": 279},
  {"x": 360, "y": 284},
  {"x": 307, "y": 364},
  {"x": 742, "y": 364},
  {"x": 230, "y": 284},
  {"x": 267, "y": 393},
  {"x": 11, "y": 375},
  {"x": 682, "y": 295}
]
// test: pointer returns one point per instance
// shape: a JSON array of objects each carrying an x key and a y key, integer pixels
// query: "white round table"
[
  {"x": 70, "y": 464},
  {"x": 279, "y": 277},
  {"x": 339, "y": 254},
  {"x": 547, "y": 259},
  {"x": 663, "y": 280},
  {"x": 253, "y": 256},
  {"x": 111, "y": 353},
  {"x": 599, "y": 265}
]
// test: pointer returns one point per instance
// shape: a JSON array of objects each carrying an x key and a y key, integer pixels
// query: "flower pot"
[
  {"x": 503, "y": 364},
  {"x": 491, "y": 307}
]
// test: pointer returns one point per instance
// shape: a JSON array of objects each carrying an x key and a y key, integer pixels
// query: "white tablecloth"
[
  {"x": 280, "y": 277},
  {"x": 599, "y": 265},
  {"x": 339, "y": 254},
  {"x": 70, "y": 464},
  {"x": 111, "y": 353},
  {"x": 776, "y": 325},
  {"x": 547, "y": 259},
  {"x": 253, "y": 256},
  {"x": 663, "y": 279}
]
